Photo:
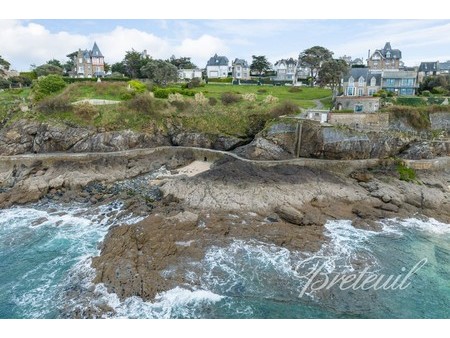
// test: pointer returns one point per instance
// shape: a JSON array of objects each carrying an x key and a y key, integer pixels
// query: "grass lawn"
[
  {"x": 241, "y": 119},
  {"x": 303, "y": 98}
]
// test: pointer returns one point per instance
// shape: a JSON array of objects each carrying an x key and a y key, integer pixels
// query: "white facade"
[
  {"x": 217, "y": 71},
  {"x": 189, "y": 74}
]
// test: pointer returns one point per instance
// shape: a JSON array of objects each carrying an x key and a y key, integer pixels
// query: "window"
[
  {"x": 360, "y": 92},
  {"x": 358, "y": 108},
  {"x": 80, "y": 60},
  {"x": 389, "y": 82},
  {"x": 351, "y": 80},
  {"x": 407, "y": 82},
  {"x": 372, "y": 91},
  {"x": 373, "y": 81},
  {"x": 238, "y": 74},
  {"x": 388, "y": 55},
  {"x": 81, "y": 70},
  {"x": 350, "y": 91},
  {"x": 361, "y": 81}
]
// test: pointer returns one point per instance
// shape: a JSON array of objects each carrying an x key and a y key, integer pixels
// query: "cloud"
[
  {"x": 26, "y": 43},
  {"x": 114, "y": 44},
  {"x": 202, "y": 48}
]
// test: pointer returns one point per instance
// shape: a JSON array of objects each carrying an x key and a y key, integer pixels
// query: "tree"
[
  {"x": 313, "y": 58},
  {"x": 259, "y": 64},
  {"x": 48, "y": 69},
  {"x": 47, "y": 85},
  {"x": 118, "y": 67},
  {"x": 55, "y": 62},
  {"x": 160, "y": 72},
  {"x": 69, "y": 66},
  {"x": 133, "y": 62},
  {"x": 5, "y": 64},
  {"x": 332, "y": 72},
  {"x": 106, "y": 67},
  {"x": 182, "y": 62}
]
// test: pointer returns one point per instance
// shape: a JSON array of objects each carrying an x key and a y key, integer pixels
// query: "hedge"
[
  {"x": 411, "y": 101},
  {"x": 93, "y": 79},
  {"x": 163, "y": 93},
  {"x": 220, "y": 80}
]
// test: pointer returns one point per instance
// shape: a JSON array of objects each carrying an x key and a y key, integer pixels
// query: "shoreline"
[{"x": 192, "y": 205}]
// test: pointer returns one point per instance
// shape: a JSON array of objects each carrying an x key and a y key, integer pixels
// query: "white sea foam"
[{"x": 430, "y": 225}]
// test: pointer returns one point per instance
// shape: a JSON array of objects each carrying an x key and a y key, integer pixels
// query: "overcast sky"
[{"x": 34, "y": 41}]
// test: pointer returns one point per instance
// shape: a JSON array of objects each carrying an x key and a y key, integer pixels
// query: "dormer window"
[
  {"x": 373, "y": 81},
  {"x": 361, "y": 81},
  {"x": 388, "y": 54},
  {"x": 351, "y": 80}
]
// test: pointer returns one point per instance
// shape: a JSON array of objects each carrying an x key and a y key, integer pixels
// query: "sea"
[{"x": 402, "y": 271}]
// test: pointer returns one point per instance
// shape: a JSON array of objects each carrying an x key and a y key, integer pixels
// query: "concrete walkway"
[{"x": 97, "y": 102}]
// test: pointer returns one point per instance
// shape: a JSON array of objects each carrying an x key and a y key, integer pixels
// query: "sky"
[{"x": 26, "y": 40}]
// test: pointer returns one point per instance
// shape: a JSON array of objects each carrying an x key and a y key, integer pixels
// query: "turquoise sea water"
[{"x": 45, "y": 272}]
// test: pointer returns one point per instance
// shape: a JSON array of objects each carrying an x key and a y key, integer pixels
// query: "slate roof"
[
  {"x": 356, "y": 73},
  {"x": 286, "y": 61},
  {"x": 444, "y": 66},
  {"x": 395, "y": 53},
  {"x": 240, "y": 62},
  {"x": 429, "y": 67},
  {"x": 96, "y": 51},
  {"x": 218, "y": 61},
  {"x": 399, "y": 75}
]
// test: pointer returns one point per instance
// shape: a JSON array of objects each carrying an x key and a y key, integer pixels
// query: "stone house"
[
  {"x": 285, "y": 69},
  {"x": 358, "y": 104},
  {"x": 217, "y": 67},
  {"x": 88, "y": 63},
  {"x": 240, "y": 69},
  {"x": 386, "y": 58},
  {"x": 361, "y": 82}
]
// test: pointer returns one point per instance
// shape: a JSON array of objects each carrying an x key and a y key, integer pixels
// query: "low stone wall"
[
  {"x": 440, "y": 121},
  {"x": 378, "y": 121}
]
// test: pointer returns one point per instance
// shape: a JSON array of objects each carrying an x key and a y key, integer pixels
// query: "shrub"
[
  {"x": 85, "y": 110},
  {"x": 212, "y": 101},
  {"x": 127, "y": 96},
  {"x": 284, "y": 108},
  {"x": 426, "y": 93},
  {"x": 416, "y": 118},
  {"x": 193, "y": 83},
  {"x": 295, "y": 90},
  {"x": 163, "y": 93},
  {"x": 54, "y": 105},
  {"x": 47, "y": 85},
  {"x": 406, "y": 174},
  {"x": 142, "y": 103},
  {"x": 271, "y": 99},
  {"x": 439, "y": 90},
  {"x": 411, "y": 101},
  {"x": 229, "y": 98},
  {"x": 435, "y": 100},
  {"x": 200, "y": 98},
  {"x": 175, "y": 97},
  {"x": 224, "y": 80},
  {"x": 4, "y": 84},
  {"x": 249, "y": 97},
  {"x": 138, "y": 86}
]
